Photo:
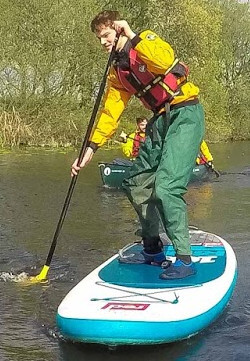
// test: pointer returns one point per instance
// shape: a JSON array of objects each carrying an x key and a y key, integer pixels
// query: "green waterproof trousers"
[{"x": 160, "y": 174}]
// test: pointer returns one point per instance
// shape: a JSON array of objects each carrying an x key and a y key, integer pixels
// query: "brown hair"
[
  {"x": 140, "y": 119},
  {"x": 106, "y": 17}
]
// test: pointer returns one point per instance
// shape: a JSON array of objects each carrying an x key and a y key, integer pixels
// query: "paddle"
[
  {"x": 219, "y": 173},
  {"x": 210, "y": 166},
  {"x": 124, "y": 137},
  {"x": 43, "y": 274},
  {"x": 240, "y": 173}
]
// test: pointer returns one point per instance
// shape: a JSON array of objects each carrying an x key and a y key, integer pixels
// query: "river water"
[{"x": 33, "y": 186}]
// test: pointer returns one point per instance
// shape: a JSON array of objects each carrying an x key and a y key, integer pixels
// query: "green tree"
[{"x": 51, "y": 64}]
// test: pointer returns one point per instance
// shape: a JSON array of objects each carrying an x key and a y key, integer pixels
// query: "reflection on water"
[{"x": 33, "y": 187}]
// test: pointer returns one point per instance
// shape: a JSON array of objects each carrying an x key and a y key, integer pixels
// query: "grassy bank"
[
  {"x": 67, "y": 130},
  {"x": 51, "y": 65}
]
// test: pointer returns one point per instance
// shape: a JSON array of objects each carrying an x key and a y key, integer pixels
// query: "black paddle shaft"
[
  {"x": 209, "y": 166},
  {"x": 81, "y": 155}
]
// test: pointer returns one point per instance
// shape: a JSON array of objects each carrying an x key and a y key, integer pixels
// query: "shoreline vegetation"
[{"x": 51, "y": 66}]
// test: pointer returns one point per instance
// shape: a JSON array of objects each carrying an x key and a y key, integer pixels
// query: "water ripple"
[{"x": 10, "y": 277}]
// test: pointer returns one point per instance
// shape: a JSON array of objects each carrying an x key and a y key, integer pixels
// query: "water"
[{"x": 33, "y": 187}]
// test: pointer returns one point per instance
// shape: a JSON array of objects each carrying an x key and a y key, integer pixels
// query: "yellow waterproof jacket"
[
  {"x": 204, "y": 153},
  {"x": 128, "y": 147},
  {"x": 158, "y": 55}
]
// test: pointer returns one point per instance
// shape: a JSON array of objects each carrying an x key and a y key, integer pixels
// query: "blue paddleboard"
[{"x": 123, "y": 304}]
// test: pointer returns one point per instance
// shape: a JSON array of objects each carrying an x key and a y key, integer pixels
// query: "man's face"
[
  {"x": 106, "y": 35},
  {"x": 142, "y": 125}
]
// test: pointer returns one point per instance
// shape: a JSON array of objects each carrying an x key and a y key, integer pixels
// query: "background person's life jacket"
[
  {"x": 138, "y": 139},
  {"x": 201, "y": 159},
  {"x": 152, "y": 89}
]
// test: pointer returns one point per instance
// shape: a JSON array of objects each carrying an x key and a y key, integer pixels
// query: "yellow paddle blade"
[{"x": 42, "y": 275}]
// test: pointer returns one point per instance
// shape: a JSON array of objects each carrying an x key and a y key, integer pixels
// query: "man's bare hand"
[
  {"x": 123, "y": 136},
  {"x": 121, "y": 26},
  {"x": 86, "y": 159}
]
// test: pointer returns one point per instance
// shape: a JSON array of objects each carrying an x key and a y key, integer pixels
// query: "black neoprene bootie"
[
  {"x": 151, "y": 254},
  {"x": 152, "y": 245}
]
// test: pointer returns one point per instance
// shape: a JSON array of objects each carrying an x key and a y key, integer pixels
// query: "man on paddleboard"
[{"x": 146, "y": 66}]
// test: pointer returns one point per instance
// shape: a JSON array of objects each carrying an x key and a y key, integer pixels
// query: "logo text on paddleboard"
[{"x": 126, "y": 306}]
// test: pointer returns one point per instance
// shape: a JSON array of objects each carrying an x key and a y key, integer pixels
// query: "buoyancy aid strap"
[
  {"x": 159, "y": 80},
  {"x": 134, "y": 81},
  {"x": 150, "y": 85},
  {"x": 185, "y": 103},
  {"x": 167, "y": 114},
  {"x": 171, "y": 67},
  {"x": 173, "y": 94},
  {"x": 139, "y": 87}
]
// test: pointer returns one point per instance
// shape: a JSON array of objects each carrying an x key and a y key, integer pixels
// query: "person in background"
[
  {"x": 146, "y": 66},
  {"x": 132, "y": 142},
  {"x": 204, "y": 156}
]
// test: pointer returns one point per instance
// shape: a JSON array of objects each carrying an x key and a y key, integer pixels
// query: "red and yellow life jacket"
[
  {"x": 138, "y": 139},
  {"x": 153, "y": 90}
]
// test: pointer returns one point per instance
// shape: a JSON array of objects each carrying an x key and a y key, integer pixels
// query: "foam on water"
[{"x": 10, "y": 277}]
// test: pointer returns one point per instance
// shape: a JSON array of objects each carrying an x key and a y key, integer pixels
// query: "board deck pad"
[{"x": 147, "y": 276}]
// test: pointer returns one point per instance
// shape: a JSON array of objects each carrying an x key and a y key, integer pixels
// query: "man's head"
[
  {"x": 102, "y": 26},
  {"x": 141, "y": 124}
]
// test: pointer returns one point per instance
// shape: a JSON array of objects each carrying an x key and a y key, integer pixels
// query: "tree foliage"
[{"x": 51, "y": 64}]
